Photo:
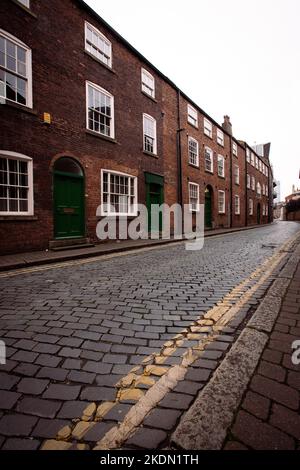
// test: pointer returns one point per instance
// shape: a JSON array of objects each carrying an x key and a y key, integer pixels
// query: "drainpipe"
[{"x": 179, "y": 156}]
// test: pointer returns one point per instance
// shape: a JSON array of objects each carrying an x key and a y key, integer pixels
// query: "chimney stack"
[{"x": 227, "y": 126}]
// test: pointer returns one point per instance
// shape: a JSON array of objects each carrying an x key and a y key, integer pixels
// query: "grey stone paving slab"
[{"x": 205, "y": 424}]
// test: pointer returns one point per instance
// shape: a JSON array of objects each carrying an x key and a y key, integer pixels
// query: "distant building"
[{"x": 277, "y": 199}]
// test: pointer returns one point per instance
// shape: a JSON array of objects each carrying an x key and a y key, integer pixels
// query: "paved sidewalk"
[
  {"x": 22, "y": 260},
  {"x": 268, "y": 417}
]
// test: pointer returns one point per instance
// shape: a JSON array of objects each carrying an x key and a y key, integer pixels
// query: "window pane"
[
  {"x": 21, "y": 91},
  {"x": 23, "y": 205},
  {"x": 11, "y": 82},
  {"x": 3, "y": 205}
]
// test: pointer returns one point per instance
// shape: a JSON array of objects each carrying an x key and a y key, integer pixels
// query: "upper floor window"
[
  {"x": 149, "y": 128},
  {"x": 248, "y": 181},
  {"x": 252, "y": 159},
  {"x": 98, "y": 45},
  {"x": 221, "y": 166},
  {"x": 209, "y": 160},
  {"x": 256, "y": 163},
  {"x": 193, "y": 152},
  {"x": 26, "y": 3},
  {"x": 248, "y": 155},
  {"x": 16, "y": 184},
  {"x": 237, "y": 205},
  {"x": 118, "y": 193},
  {"x": 15, "y": 70},
  {"x": 221, "y": 202},
  {"x": 194, "y": 197},
  {"x": 260, "y": 166},
  {"x": 220, "y": 137},
  {"x": 208, "y": 128},
  {"x": 236, "y": 174},
  {"x": 192, "y": 115},
  {"x": 148, "y": 83},
  {"x": 234, "y": 149},
  {"x": 258, "y": 189},
  {"x": 252, "y": 183},
  {"x": 100, "y": 111}
]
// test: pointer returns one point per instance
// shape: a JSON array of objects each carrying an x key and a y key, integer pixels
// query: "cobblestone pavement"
[
  {"x": 268, "y": 417},
  {"x": 75, "y": 332}
]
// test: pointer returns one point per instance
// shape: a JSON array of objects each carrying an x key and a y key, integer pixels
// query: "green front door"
[
  {"x": 68, "y": 205},
  {"x": 208, "y": 208},
  {"x": 154, "y": 195}
]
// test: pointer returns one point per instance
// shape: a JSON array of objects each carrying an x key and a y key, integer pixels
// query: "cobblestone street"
[{"x": 75, "y": 332}]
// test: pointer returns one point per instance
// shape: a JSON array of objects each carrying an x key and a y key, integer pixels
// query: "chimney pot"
[{"x": 227, "y": 126}]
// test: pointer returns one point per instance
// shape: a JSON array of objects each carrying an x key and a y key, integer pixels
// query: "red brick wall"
[{"x": 60, "y": 71}]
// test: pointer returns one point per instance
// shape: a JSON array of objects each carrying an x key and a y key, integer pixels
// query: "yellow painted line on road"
[{"x": 219, "y": 316}]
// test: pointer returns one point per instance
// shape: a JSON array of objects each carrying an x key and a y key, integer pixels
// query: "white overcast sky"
[{"x": 235, "y": 57}]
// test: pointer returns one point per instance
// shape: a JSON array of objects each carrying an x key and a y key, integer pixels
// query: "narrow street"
[{"x": 86, "y": 340}]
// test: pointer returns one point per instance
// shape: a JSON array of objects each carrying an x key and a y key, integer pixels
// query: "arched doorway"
[
  {"x": 68, "y": 193},
  {"x": 258, "y": 213},
  {"x": 208, "y": 206}
]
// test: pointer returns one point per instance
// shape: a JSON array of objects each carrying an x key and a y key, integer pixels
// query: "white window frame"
[
  {"x": 108, "y": 213},
  {"x": 28, "y": 77},
  {"x": 96, "y": 31},
  {"x": 195, "y": 185},
  {"x": 211, "y": 153},
  {"x": 256, "y": 163},
  {"x": 236, "y": 174},
  {"x": 191, "y": 139},
  {"x": 192, "y": 116},
  {"x": 25, "y": 3},
  {"x": 248, "y": 155},
  {"x": 258, "y": 188},
  {"x": 248, "y": 181},
  {"x": 221, "y": 158},
  {"x": 252, "y": 159},
  {"x": 147, "y": 116},
  {"x": 18, "y": 156},
  {"x": 260, "y": 165},
  {"x": 145, "y": 87},
  {"x": 250, "y": 206},
  {"x": 223, "y": 209},
  {"x": 208, "y": 127},
  {"x": 252, "y": 183},
  {"x": 220, "y": 137},
  {"x": 112, "y": 118},
  {"x": 234, "y": 149},
  {"x": 237, "y": 205}
]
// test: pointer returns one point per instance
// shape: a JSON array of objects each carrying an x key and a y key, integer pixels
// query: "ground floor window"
[
  {"x": 221, "y": 202},
  {"x": 237, "y": 205},
  {"x": 194, "y": 197},
  {"x": 119, "y": 193},
  {"x": 16, "y": 184},
  {"x": 250, "y": 206}
]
